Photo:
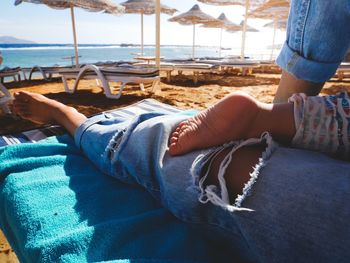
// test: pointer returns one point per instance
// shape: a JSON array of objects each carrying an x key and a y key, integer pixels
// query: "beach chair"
[
  {"x": 166, "y": 67},
  {"x": 5, "y": 97},
  {"x": 46, "y": 72},
  {"x": 123, "y": 75},
  {"x": 185, "y": 65},
  {"x": 195, "y": 68},
  {"x": 10, "y": 72},
  {"x": 57, "y": 207},
  {"x": 245, "y": 66}
]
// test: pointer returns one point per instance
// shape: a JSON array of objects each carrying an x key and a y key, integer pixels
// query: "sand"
[{"x": 181, "y": 92}]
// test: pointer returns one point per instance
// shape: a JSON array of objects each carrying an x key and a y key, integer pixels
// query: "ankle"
[{"x": 60, "y": 112}]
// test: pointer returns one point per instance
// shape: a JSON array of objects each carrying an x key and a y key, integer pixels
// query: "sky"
[{"x": 42, "y": 24}]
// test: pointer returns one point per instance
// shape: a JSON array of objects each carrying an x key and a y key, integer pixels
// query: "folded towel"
[{"x": 57, "y": 207}]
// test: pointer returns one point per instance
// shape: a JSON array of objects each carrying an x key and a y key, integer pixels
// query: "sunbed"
[
  {"x": 10, "y": 72},
  {"x": 196, "y": 68},
  {"x": 183, "y": 65},
  {"x": 166, "y": 67},
  {"x": 5, "y": 97},
  {"x": 124, "y": 75},
  {"x": 57, "y": 207},
  {"x": 46, "y": 72},
  {"x": 244, "y": 65}
]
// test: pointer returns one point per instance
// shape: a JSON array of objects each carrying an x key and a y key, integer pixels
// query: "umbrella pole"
[
  {"x": 74, "y": 37},
  {"x": 141, "y": 34},
  {"x": 194, "y": 37},
  {"x": 244, "y": 28},
  {"x": 158, "y": 34},
  {"x": 274, "y": 36},
  {"x": 220, "y": 42}
]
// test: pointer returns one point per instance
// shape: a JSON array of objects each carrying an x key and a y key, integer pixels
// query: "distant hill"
[{"x": 13, "y": 40}]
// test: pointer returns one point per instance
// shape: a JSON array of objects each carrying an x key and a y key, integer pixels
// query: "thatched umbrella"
[
  {"x": 105, "y": 6},
  {"x": 281, "y": 24},
  {"x": 278, "y": 11},
  {"x": 248, "y": 4},
  {"x": 276, "y": 24},
  {"x": 193, "y": 17},
  {"x": 224, "y": 24},
  {"x": 145, "y": 7}
]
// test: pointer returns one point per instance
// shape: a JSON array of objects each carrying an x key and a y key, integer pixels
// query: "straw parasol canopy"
[
  {"x": 105, "y": 6},
  {"x": 224, "y": 23},
  {"x": 272, "y": 9},
  {"x": 192, "y": 17},
  {"x": 145, "y": 7},
  {"x": 281, "y": 24},
  {"x": 248, "y": 4},
  {"x": 231, "y": 2},
  {"x": 240, "y": 27},
  {"x": 278, "y": 11}
]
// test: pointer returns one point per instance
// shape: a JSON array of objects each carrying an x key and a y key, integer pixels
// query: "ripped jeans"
[
  {"x": 317, "y": 39},
  {"x": 293, "y": 209}
]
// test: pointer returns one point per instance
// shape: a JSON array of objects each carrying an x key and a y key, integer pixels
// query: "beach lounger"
[
  {"x": 57, "y": 207},
  {"x": 166, "y": 67},
  {"x": 46, "y": 72},
  {"x": 343, "y": 70},
  {"x": 244, "y": 65},
  {"x": 124, "y": 75},
  {"x": 5, "y": 97},
  {"x": 10, "y": 72},
  {"x": 195, "y": 68}
]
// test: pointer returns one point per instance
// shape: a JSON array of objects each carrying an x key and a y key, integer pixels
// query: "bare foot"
[
  {"x": 35, "y": 107},
  {"x": 229, "y": 119},
  {"x": 39, "y": 109}
]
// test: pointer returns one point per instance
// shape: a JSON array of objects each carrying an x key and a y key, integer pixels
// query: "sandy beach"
[{"x": 181, "y": 93}]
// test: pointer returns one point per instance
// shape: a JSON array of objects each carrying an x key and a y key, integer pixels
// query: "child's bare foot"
[
  {"x": 230, "y": 119},
  {"x": 39, "y": 109}
]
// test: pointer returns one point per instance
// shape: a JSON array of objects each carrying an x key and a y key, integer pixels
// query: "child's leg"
[
  {"x": 39, "y": 109},
  {"x": 238, "y": 116},
  {"x": 322, "y": 123}
]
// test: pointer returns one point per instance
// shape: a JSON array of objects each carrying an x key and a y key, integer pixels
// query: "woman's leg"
[
  {"x": 39, "y": 109},
  {"x": 316, "y": 43}
]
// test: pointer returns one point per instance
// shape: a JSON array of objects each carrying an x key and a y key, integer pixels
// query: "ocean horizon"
[{"x": 29, "y": 55}]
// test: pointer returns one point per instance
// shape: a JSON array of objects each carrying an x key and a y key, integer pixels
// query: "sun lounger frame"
[
  {"x": 195, "y": 68},
  {"x": 46, "y": 72},
  {"x": 10, "y": 73},
  {"x": 5, "y": 99},
  {"x": 105, "y": 78}
]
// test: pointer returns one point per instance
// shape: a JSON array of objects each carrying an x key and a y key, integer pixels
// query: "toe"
[{"x": 173, "y": 140}]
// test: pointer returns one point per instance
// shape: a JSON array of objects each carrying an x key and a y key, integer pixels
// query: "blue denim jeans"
[
  {"x": 293, "y": 209},
  {"x": 317, "y": 39}
]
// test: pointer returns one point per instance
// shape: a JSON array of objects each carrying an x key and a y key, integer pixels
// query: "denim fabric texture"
[
  {"x": 317, "y": 39},
  {"x": 292, "y": 213}
]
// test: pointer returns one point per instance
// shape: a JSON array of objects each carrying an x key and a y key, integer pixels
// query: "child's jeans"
[
  {"x": 295, "y": 208},
  {"x": 318, "y": 37}
]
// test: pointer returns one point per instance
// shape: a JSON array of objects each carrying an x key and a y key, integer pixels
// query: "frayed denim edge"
[
  {"x": 211, "y": 193},
  {"x": 247, "y": 189}
]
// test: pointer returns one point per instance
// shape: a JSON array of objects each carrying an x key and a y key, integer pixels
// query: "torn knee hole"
[{"x": 227, "y": 174}]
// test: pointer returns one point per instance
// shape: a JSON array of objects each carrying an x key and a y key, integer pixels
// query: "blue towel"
[{"x": 57, "y": 207}]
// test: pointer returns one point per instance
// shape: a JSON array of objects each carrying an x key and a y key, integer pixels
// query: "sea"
[{"x": 29, "y": 55}]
